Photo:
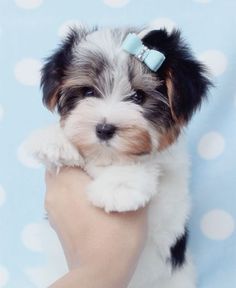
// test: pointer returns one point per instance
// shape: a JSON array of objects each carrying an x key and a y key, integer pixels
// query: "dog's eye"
[
  {"x": 138, "y": 97},
  {"x": 88, "y": 92}
]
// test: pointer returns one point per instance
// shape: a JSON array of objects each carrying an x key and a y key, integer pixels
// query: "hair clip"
[{"x": 134, "y": 45}]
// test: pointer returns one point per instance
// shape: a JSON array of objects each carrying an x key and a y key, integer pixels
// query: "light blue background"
[{"x": 33, "y": 33}]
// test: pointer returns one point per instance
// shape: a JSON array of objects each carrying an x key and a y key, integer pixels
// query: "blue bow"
[{"x": 152, "y": 58}]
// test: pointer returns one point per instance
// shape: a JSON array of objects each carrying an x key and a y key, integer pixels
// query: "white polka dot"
[
  {"x": 44, "y": 276},
  {"x": 25, "y": 158},
  {"x": 27, "y": 71},
  {"x": 217, "y": 225},
  {"x": 4, "y": 276},
  {"x": 31, "y": 237},
  {"x": 215, "y": 60},
  {"x": 211, "y": 145},
  {"x": 116, "y": 3},
  {"x": 65, "y": 27},
  {"x": 2, "y": 196},
  {"x": 28, "y": 4},
  {"x": 163, "y": 23},
  {"x": 1, "y": 112},
  {"x": 41, "y": 276}
]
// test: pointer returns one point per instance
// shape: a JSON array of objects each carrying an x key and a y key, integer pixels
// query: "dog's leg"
[
  {"x": 124, "y": 188},
  {"x": 51, "y": 148}
]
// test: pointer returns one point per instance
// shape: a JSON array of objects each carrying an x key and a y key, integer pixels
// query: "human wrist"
[{"x": 92, "y": 276}]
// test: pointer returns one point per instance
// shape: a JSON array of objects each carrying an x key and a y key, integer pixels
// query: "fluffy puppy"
[{"x": 122, "y": 123}]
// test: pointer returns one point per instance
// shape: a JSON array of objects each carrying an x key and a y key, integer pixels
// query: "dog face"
[{"x": 114, "y": 107}]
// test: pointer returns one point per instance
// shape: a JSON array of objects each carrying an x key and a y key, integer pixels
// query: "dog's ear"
[
  {"x": 55, "y": 68},
  {"x": 185, "y": 78}
]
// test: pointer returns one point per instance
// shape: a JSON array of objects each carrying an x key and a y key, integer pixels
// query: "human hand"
[{"x": 101, "y": 249}]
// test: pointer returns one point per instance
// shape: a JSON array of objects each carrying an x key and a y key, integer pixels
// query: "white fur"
[
  {"x": 122, "y": 188},
  {"x": 115, "y": 188},
  {"x": 169, "y": 210},
  {"x": 124, "y": 184},
  {"x": 51, "y": 148}
]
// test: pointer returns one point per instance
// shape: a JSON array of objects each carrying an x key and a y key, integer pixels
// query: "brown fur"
[
  {"x": 53, "y": 100},
  {"x": 168, "y": 138},
  {"x": 170, "y": 90},
  {"x": 135, "y": 141}
]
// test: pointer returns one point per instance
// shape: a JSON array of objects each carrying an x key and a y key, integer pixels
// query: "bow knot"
[{"x": 152, "y": 58}]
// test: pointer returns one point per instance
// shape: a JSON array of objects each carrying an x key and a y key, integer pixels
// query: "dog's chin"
[{"x": 113, "y": 152}]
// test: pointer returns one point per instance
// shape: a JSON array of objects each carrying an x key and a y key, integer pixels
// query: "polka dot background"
[
  {"x": 1, "y": 112},
  {"x": 29, "y": 30}
]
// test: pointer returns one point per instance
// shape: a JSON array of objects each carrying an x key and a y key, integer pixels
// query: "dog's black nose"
[{"x": 105, "y": 131}]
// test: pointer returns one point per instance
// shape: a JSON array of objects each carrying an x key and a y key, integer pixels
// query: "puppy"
[{"x": 122, "y": 113}]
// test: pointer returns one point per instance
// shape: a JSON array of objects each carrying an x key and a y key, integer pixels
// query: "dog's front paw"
[
  {"x": 51, "y": 148},
  {"x": 116, "y": 197}
]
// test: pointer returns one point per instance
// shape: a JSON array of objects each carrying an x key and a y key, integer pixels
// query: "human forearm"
[
  {"x": 91, "y": 277},
  {"x": 101, "y": 249},
  {"x": 107, "y": 261}
]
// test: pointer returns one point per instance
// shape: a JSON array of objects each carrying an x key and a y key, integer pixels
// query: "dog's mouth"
[{"x": 110, "y": 143}]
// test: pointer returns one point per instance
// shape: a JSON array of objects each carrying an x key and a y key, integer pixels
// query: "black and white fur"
[{"x": 122, "y": 123}]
